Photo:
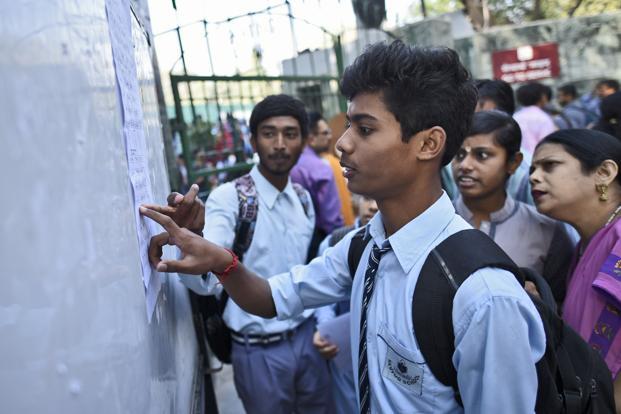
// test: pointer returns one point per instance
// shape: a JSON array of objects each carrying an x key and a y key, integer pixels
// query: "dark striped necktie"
[{"x": 369, "y": 282}]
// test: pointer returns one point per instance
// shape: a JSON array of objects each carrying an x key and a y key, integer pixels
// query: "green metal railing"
[
  {"x": 201, "y": 103},
  {"x": 211, "y": 112}
]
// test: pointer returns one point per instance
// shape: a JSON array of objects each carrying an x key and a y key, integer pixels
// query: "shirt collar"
[
  {"x": 463, "y": 210},
  {"x": 309, "y": 152},
  {"x": 507, "y": 210},
  {"x": 412, "y": 240},
  {"x": 266, "y": 191}
]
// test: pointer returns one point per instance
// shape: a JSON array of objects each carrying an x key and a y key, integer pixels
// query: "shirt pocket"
[{"x": 405, "y": 375}]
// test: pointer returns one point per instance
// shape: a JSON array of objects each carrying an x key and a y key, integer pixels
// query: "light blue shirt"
[
  {"x": 499, "y": 335},
  {"x": 281, "y": 238}
]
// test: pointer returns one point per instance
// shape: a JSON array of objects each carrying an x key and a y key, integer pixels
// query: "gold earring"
[{"x": 602, "y": 189}]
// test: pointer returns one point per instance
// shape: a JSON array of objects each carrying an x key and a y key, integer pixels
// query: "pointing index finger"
[{"x": 161, "y": 219}]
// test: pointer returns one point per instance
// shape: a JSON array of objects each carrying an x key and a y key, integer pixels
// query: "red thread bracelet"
[{"x": 229, "y": 268}]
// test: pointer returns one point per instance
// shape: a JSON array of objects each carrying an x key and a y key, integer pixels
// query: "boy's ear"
[
  {"x": 515, "y": 162},
  {"x": 432, "y": 142}
]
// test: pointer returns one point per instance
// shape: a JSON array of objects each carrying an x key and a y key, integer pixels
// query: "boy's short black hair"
[
  {"x": 421, "y": 87},
  {"x": 499, "y": 92},
  {"x": 313, "y": 119},
  {"x": 569, "y": 89},
  {"x": 279, "y": 105},
  {"x": 505, "y": 130},
  {"x": 530, "y": 94},
  {"x": 547, "y": 92},
  {"x": 609, "y": 83}
]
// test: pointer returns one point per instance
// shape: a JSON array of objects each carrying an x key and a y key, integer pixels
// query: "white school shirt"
[
  {"x": 281, "y": 238},
  {"x": 499, "y": 335}
]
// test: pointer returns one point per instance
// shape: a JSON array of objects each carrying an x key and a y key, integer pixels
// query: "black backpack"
[
  {"x": 573, "y": 377},
  {"x": 208, "y": 310}
]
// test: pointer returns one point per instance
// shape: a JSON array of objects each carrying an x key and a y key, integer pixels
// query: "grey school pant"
[{"x": 285, "y": 377}]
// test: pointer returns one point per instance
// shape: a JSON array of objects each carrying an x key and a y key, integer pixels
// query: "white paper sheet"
[
  {"x": 119, "y": 22},
  {"x": 337, "y": 332}
]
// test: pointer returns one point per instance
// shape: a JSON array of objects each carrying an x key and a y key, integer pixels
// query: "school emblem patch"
[{"x": 403, "y": 372}]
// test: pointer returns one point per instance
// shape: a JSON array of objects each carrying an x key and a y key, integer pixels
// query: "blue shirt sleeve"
[
  {"x": 499, "y": 338},
  {"x": 325, "y": 280}
]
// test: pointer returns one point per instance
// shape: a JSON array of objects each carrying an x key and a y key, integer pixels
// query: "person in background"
[
  {"x": 319, "y": 139},
  {"x": 573, "y": 114},
  {"x": 316, "y": 176},
  {"x": 271, "y": 358},
  {"x": 610, "y": 121},
  {"x": 365, "y": 207},
  {"x": 606, "y": 87},
  {"x": 344, "y": 389},
  {"x": 490, "y": 155},
  {"x": 534, "y": 122},
  {"x": 592, "y": 100},
  {"x": 575, "y": 178},
  {"x": 184, "y": 184},
  {"x": 549, "y": 107},
  {"x": 497, "y": 95}
]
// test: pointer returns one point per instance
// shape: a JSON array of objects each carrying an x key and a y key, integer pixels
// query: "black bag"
[{"x": 572, "y": 377}]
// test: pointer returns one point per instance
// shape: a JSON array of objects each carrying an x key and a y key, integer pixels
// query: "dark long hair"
[{"x": 589, "y": 147}]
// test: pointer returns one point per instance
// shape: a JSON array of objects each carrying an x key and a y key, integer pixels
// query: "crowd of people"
[{"x": 428, "y": 154}]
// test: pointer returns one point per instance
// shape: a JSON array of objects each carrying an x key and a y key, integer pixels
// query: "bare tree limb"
[{"x": 571, "y": 11}]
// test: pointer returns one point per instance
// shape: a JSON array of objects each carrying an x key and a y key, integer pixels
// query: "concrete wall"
[{"x": 73, "y": 322}]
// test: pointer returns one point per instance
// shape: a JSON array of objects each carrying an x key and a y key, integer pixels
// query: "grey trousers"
[{"x": 285, "y": 377}]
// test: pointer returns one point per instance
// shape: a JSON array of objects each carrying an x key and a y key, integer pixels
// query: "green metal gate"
[
  {"x": 212, "y": 111},
  {"x": 212, "y": 115}
]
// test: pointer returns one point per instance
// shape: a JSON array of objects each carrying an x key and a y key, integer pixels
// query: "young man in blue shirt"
[
  {"x": 409, "y": 111},
  {"x": 269, "y": 356}
]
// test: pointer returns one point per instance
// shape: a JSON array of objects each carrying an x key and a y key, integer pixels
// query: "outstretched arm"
[{"x": 198, "y": 256}]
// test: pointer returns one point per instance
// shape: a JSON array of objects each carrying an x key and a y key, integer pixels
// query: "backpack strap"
[
  {"x": 338, "y": 234},
  {"x": 448, "y": 265},
  {"x": 303, "y": 196},
  {"x": 356, "y": 248},
  {"x": 247, "y": 215},
  {"x": 246, "y": 221}
]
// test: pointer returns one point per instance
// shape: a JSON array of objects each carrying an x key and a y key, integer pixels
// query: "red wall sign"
[{"x": 526, "y": 63}]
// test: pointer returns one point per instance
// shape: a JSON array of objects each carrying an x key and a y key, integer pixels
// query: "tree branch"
[{"x": 571, "y": 11}]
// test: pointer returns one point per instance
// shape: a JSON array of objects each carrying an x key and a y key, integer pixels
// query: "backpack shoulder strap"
[
  {"x": 303, "y": 196},
  {"x": 338, "y": 234},
  {"x": 244, "y": 227},
  {"x": 247, "y": 214},
  {"x": 448, "y": 265},
  {"x": 356, "y": 247}
]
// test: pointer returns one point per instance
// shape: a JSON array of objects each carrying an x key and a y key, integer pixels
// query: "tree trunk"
[
  {"x": 537, "y": 12},
  {"x": 475, "y": 13}
]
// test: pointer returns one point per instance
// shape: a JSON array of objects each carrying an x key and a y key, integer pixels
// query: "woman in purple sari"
[{"x": 576, "y": 178}]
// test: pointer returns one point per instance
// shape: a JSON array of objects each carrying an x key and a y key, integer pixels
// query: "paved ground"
[{"x": 228, "y": 402}]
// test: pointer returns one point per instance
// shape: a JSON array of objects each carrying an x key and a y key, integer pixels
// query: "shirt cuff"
[
  {"x": 287, "y": 301},
  {"x": 202, "y": 285}
]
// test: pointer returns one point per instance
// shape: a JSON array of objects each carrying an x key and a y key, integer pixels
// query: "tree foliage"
[{"x": 486, "y": 13}]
